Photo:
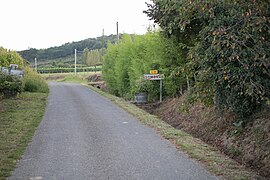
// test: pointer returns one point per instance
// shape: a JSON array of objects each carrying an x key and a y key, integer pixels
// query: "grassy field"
[
  {"x": 19, "y": 119},
  {"x": 68, "y": 77},
  {"x": 65, "y": 74}
]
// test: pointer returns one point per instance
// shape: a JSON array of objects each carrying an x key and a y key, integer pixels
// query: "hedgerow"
[
  {"x": 126, "y": 62},
  {"x": 228, "y": 49}
]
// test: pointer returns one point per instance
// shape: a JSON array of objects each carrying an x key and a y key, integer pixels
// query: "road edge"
[{"x": 211, "y": 158}]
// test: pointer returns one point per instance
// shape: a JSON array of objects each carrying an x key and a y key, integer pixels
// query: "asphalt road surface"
[{"x": 85, "y": 136}]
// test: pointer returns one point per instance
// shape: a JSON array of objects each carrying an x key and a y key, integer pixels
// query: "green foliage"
[
  {"x": 122, "y": 65},
  {"x": 62, "y": 62},
  {"x": 10, "y": 85},
  {"x": 34, "y": 82},
  {"x": 85, "y": 55},
  {"x": 125, "y": 63},
  {"x": 108, "y": 68},
  {"x": 93, "y": 57},
  {"x": 225, "y": 49},
  {"x": 19, "y": 119},
  {"x": 150, "y": 87},
  {"x": 68, "y": 70},
  {"x": 143, "y": 85},
  {"x": 232, "y": 56},
  {"x": 173, "y": 66},
  {"x": 8, "y": 57}
]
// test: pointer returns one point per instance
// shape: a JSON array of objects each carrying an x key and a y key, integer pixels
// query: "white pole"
[
  {"x": 75, "y": 70},
  {"x": 36, "y": 64}
]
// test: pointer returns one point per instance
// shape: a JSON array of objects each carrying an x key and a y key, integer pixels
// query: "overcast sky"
[{"x": 46, "y": 23}]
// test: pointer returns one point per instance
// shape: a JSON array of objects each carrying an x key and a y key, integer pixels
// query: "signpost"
[{"x": 154, "y": 76}]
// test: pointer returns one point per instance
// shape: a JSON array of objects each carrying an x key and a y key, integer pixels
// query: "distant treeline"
[
  {"x": 66, "y": 49},
  {"x": 68, "y": 70}
]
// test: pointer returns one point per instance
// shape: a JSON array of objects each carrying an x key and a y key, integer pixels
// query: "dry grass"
[{"x": 248, "y": 145}]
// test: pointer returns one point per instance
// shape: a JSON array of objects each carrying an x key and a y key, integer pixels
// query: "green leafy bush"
[
  {"x": 228, "y": 49},
  {"x": 35, "y": 85},
  {"x": 149, "y": 87},
  {"x": 68, "y": 70},
  {"x": 8, "y": 57},
  {"x": 125, "y": 63},
  {"x": 232, "y": 56},
  {"x": 143, "y": 85},
  {"x": 10, "y": 85},
  {"x": 33, "y": 82}
]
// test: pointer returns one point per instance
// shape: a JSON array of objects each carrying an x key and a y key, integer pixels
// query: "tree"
[
  {"x": 228, "y": 48},
  {"x": 8, "y": 57},
  {"x": 85, "y": 55},
  {"x": 94, "y": 57}
]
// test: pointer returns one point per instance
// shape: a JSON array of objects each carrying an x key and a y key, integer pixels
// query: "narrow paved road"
[{"x": 84, "y": 136}]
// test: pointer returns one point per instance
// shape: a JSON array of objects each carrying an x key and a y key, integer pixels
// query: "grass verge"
[
  {"x": 73, "y": 78},
  {"x": 67, "y": 76},
  {"x": 214, "y": 161},
  {"x": 19, "y": 119}
]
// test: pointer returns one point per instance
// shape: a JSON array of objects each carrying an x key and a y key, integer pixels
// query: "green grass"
[
  {"x": 19, "y": 119},
  {"x": 213, "y": 160},
  {"x": 68, "y": 77},
  {"x": 72, "y": 78},
  {"x": 72, "y": 73}
]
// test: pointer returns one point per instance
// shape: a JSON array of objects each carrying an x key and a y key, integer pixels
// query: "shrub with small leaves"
[
  {"x": 10, "y": 85},
  {"x": 228, "y": 46},
  {"x": 232, "y": 56}
]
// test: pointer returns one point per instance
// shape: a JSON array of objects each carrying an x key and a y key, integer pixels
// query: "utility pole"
[
  {"x": 75, "y": 64},
  {"x": 102, "y": 51},
  {"x": 117, "y": 32},
  {"x": 36, "y": 64}
]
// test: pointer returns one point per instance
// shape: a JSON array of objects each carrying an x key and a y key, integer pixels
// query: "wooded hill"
[{"x": 65, "y": 50}]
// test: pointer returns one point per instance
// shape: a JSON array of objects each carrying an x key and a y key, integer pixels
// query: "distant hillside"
[
  {"x": 65, "y": 50},
  {"x": 64, "y": 62}
]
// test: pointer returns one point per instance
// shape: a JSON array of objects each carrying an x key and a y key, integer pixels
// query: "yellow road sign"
[{"x": 153, "y": 71}]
